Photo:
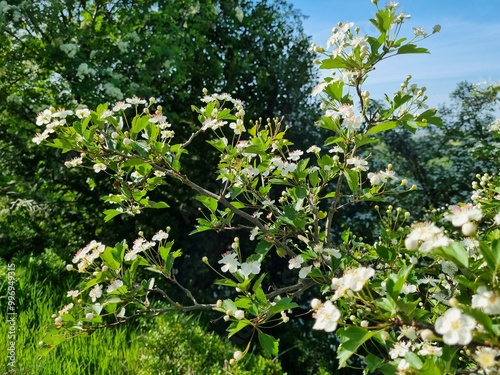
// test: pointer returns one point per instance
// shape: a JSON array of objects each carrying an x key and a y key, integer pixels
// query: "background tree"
[
  {"x": 60, "y": 52},
  {"x": 442, "y": 160}
]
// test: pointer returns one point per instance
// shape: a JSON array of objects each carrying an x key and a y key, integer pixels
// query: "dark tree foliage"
[
  {"x": 442, "y": 161},
  {"x": 61, "y": 53}
]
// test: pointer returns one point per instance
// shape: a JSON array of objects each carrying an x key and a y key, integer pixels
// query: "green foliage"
[
  {"x": 93, "y": 50},
  {"x": 172, "y": 344},
  {"x": 443, "y": 160},
  {"x": 177, "y": 344}
]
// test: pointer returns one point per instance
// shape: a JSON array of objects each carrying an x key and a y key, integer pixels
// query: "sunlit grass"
[
  {"x": 171, "y": 344},
  {"x": 115, "y": 351}
]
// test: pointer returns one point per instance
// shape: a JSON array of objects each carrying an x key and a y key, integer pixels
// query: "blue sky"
[{"x": 467, "y": 48}]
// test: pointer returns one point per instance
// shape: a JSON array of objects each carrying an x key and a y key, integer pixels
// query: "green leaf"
[
  {"x": 208, "y": 202},
  {"x": 375, "y": 363},
  {"x": 334, "y": 90},
  {"x": 414, "y": 360},
  {"x": 235, "y": 327},
  {"x": 139, "y": 124},
  {"x": 411, "y": 48},
  {"x": 158, "y": 205},
  {"x": 109, "y": 214},
  {"x": 133, "y": 162},
  {"x": 352, "y": 338},
  {"x": 111, "y": 257},
  {"x": 269, "y": 344},
  {"x": 352, "y": 178},
  {"x": 457, "y": 254},
  {"x": 336, "y": 63},
  {"x": 382, "y": 127},
  {"x": 164, "y": 251}
]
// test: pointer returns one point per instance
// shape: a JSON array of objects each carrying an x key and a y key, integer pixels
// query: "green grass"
[
  {"x": 171, "y": 344},
  {"x": 118, "y": 349}
]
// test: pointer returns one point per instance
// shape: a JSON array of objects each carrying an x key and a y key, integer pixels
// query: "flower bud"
[
  {"x": 468, "y": 229},
  {"x": 69, "y": 267},
  {"x": 89, "y": 316},
  {"x": 238, "y": 355},
  {"x": 315, "y": 303},
  {"x": 239, "y": 314},
  {"x": 427, "y": 335}
]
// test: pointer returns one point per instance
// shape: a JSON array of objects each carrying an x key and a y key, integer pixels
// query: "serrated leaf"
[
  {"x": 382, "y": 127},
  {"x": 111, "y": 257},
  {"x": 158, "y": 205},
  {"x": 110, "y": 214},
  {"x": 457, "y": 254},
  {"x": 411, "y": 48},
  {"x": 269, "y": 344},
  {"x": 352, "y": 178},
  {"x": 352, "y": 338}
]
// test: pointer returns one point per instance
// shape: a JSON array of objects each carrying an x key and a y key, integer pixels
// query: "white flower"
[
  {"x": 399, "y": 349},
  {"x": 253, "y": 233},
  {"x": 425, "y": 237},
  {"x": 404, "y": 367},
  {"x": 44, "y": 117},
  {"x": 318, "y": 89},
  {"x": 250, "y": 268},
  {"x": 381, "y": 177},
  {"x": 327, "y": 316},
  {"x": 429, "y": 349},
  {"x": 135, "y": 100},
  {"x": 95, "y": 292},
  {"x": 73, "y": 293},
  {"x": 39, "y": 138},
  {"x": 158, "y": 118},
  {"x": 486, "y": 357},
  {"x": 358, "y": 164},
  {"x": 314, "y": 149},
  {"x": 230, "y": 263},
  {"x": 304, "y": 271},
  {"x": 455, "y": 327},
  {"x": 74, "y": 162},
  {"x": 160, "y": 235},
  {"x": 159, "y": 173},
  {"x": 353, "y": 122},
  {"x": 121, "y": 106},
  {"x": 99, "y": 167},
  {"x": 464, "y": 214},
  {"x": 237, "y": 126},
  {"x": 449, "y": 268},
  {"x": 408, "y": 288},
  {"x": 69, "y": 49},
  {"x": 295, "y": 262},
  {"x": 107, "y": 113},
  {"x": 66, "y": 309},
  {"x": 487, "y": 301},
  {"x": 114, "y": 286},
  {"x": 354, "y": 279},
  {"x": 82, "y": 113},
  {"x": 295, "y": 155}
]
